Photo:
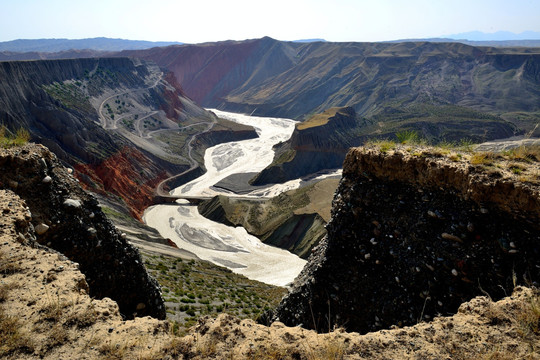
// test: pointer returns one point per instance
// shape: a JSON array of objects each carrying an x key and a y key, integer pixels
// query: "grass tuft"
[
  {"x": 7, "y": 139},
  {"x": 482, "y": 158},
  {"x": 530, "y": 153},
  {"x": 408, "y": 137}
]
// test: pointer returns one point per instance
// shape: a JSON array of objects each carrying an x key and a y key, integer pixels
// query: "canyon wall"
[
  {"x": 317, "y": 144},
  {"x": 413, "y": 234},
  {"x": 123, "y": 124}
]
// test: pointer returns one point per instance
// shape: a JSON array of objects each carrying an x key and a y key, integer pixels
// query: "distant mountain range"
[
  {"x": 100, "y": 44},
  {"x": 478, "y": 38},
  {"x": 289, "y": 79},
  {"x": 496, "y": 36}
]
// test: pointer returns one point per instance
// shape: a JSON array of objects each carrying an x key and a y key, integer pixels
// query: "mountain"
[
  {"x": 308, "y": 40},
  {"x": 299, "y": 79},
  {"x": 485, "y": 43},
  {"x": 295, "y": 80},
  {"x": 98, "y": 44},
  {"x": 322, "y": 141}
]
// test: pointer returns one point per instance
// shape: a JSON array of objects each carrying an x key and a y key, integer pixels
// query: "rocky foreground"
[{"x": 46, "y": 311}]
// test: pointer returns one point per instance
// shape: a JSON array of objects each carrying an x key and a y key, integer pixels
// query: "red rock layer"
[
  {"x": 172, "y": 104},
  {"x": 128, "y": 174}
]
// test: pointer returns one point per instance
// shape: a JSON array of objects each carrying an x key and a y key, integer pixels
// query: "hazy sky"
[{"x": 196, "y": 21}]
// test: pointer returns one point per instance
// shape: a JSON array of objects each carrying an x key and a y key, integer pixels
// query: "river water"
[{"x": 231, "y": 247}]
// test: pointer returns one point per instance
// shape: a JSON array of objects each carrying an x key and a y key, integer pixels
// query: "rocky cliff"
[
  {"x": 63, "y": 217},
  {"x": 293, "y": 220},
  {"x": 414, "y": 233}
]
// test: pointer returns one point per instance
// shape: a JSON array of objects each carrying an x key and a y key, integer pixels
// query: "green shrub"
[{"x": 408, "y": 137}]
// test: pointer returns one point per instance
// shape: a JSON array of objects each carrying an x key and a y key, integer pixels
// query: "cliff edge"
[{"x": 417, "y": 231}]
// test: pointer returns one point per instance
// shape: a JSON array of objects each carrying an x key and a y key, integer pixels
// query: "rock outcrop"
[
  {"x": 414, "y": 234},
  {"x": 319, "y": 143},
  {"x": 293, "y": 220},
  {"x": 70, "y": 221}
]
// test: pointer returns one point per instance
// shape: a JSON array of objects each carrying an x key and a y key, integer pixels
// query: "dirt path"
[{"x": 104, "y": 120}]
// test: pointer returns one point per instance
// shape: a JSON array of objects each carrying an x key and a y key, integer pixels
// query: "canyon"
[
  {"x": 71, "y": 324},
  {"x": 294, "y": 80},
  {"x": 415, "y": 235}
]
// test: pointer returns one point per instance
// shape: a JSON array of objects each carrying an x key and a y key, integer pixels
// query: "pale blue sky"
[{"x": 196, "y": 21}]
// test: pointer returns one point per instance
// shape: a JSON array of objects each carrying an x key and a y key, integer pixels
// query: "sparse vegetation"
[
  {"x": 197, "y": 288},
  {"x": 482, "y": 158},
  {"x": 384, "y": 145},
  {"x": 13, "y": 337},
  {"x": 524, "y": 153},
  {"x": 8, "y": 139}
]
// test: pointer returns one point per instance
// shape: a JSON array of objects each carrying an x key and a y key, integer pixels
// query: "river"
[{"x": 231, "y": 247}]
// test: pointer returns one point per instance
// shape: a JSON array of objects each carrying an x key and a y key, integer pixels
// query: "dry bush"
[
  {"x": 482, "y": 158},
  {"x": 527, "y": 153},
  {"x": 113, "y": 351},
  {"x": 53, "y": 310},
  {"x": 121, "y": 347},
  {"x": 8, "y": 266},
  {"x": 13, "y": 337},
  {"x": 206, "y": 347},
  {"x": 271, "y": 352},
  {"x": 176, "y": 347},
  {"x": 5, "y": 288},
  {"x": 82, "y": 318},
  {"x": 55, "y": 336},
  {"x": 528, "y": 320},
  {"x": 329, "y": 348}
]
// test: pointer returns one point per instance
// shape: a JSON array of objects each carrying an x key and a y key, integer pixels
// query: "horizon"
[
  {"x": 211, "y": 20},
  {"x": 506, "y": 36}
]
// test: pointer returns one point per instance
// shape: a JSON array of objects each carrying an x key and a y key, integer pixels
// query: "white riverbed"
[{"x": 227, "y": 246}]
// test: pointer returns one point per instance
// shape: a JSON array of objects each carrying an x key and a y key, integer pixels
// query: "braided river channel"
[{"x": 231, "y": 247}]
